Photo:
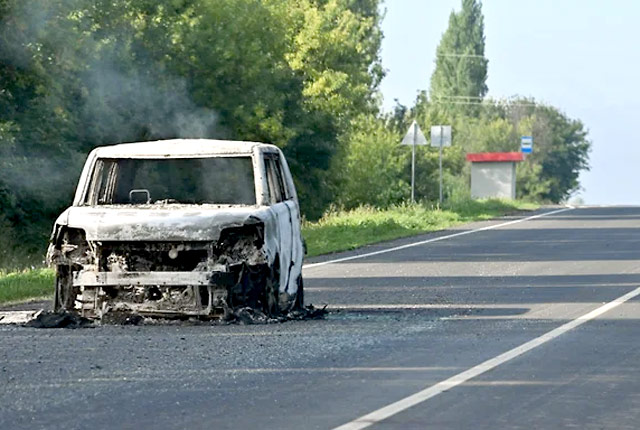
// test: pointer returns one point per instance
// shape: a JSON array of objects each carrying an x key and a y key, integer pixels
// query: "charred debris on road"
[{"x": 242, "y": 316}]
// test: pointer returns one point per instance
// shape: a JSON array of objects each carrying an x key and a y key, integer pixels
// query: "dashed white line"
[{"x": 439, "y": 388}]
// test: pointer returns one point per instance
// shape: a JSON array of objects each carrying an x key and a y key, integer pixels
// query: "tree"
[
  {"x": 83, "y": 73},
  {"x": 335, "y": 52},
  {"x": 561, "y": 150},
  {"x": 36, "y": 164},
  {"x": 459, "y": 79},
  {"x": 372, "y": 168}
]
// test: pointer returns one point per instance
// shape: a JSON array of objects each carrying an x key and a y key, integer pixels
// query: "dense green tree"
[
  {"x": 460, "y": 75},
  {"x": 335, "y": 53},
  {"x": 372, "y": 169},
  {"x": 35, "y": 123},
  {"x": 82, "y": 73},
  {"x": 561, "y": 150}
]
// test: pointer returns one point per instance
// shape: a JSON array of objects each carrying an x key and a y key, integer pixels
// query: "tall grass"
[
  {"x": 27, "y": 284},
  {"x": 341, "y": 230}
]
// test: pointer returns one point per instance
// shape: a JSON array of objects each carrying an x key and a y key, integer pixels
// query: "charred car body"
[{"x": 180, "y": 228}]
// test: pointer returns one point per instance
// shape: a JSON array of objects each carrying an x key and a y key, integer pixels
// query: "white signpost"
[
  {"x": 414, "y": 137},
  {"x": 441, "y": 137}
]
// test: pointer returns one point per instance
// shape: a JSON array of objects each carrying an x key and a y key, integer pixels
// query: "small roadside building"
[{"x": 493, "y": 174}]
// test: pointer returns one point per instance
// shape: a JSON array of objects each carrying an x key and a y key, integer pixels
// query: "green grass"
[
  {"x": 345, "y": 230},
  {"x": 27, "y": 284},
  {"x": 336, "y": 231}
]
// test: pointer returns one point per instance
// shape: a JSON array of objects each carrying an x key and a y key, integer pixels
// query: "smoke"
[
  {"x": 141, "y": 105},
  {"x": 91, "y": 53},
  {"x": 73, "y": 77}
]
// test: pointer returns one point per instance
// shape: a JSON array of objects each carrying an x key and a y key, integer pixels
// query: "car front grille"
[{"x": 153, "y": 256}]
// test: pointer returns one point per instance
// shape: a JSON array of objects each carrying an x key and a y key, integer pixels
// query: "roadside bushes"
[{"x": 342, "y": 229}]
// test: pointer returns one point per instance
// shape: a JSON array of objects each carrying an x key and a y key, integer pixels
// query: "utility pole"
[{"x": 441, "y": 144}]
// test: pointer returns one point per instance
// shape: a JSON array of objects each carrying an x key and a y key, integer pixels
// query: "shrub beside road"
[{"x": 345, "y": 230}]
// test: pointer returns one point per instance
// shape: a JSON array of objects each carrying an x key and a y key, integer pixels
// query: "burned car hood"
[{"x": 164, "y": 223}]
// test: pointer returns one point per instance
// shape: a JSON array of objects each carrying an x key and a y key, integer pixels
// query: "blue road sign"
[{"x": 526, "y": 144}]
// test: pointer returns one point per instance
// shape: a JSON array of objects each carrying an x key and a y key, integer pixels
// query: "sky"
[{"x": 581, "y": 56}]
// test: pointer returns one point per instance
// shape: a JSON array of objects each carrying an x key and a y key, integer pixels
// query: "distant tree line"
[
  {"x": 457, "y": 97},
  {"x": 302, "y": 74}
]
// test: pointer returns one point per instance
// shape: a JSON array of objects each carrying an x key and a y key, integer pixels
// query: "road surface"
[{"x": 514, "y": 323}]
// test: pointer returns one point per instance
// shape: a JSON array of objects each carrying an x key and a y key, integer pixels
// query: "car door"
[
  {"x": 297, "y": 248},
  {"x": 278, "y": 196}
]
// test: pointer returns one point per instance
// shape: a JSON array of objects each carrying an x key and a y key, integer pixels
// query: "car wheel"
[{"x": 271, "y": 292}]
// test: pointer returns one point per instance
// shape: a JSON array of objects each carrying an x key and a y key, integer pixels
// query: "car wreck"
[{"x": 180, "y": 228}]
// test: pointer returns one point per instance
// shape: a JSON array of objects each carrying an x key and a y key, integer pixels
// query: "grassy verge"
[
  {"x": 345, "y": 230},
  {"x": 24, "y": 285},
  {"x": 336, "y": 231}
]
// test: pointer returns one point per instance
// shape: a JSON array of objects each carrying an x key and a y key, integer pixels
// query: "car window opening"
[
  {"x": 275, "y": 182},
  {"x": 220, "y": 180}
]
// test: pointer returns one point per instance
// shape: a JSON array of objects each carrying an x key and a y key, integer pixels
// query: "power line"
[
  {"x": 457, "y": 99},
  {"x": 460, "y": 97},
  {"x": 487, "y": 103},
  {"x": 461, "y": 55}
]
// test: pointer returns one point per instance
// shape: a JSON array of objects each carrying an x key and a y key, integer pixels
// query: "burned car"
[{"x": 183, "y": 228}]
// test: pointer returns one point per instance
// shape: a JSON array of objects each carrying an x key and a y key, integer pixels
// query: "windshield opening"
[{"x": 220, "y": 180}]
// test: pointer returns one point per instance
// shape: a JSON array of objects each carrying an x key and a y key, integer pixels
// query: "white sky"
[{"x": 581, "y": 56}]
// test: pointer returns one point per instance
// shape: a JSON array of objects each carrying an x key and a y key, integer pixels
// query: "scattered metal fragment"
[
  {"x": 49, "y": 319},
  {"x": 121, "y": 318},
  {"x": 309, "y": 313},
  {"x": 63, "y": 319},
  {"x": 18, "y": 317},
  {"x": 249, "y": 316}
]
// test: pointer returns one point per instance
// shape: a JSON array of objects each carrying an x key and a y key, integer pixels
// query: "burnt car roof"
[{"x": 176, "y": 148}]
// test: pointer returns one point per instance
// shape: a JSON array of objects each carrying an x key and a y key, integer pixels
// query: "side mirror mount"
[{"x": 139, "y": 197}]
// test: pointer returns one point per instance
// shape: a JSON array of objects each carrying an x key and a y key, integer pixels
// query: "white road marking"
[
  {"x": 439, "y": 388},
  {"x": 435, "y": 239},
  {"x": 419, "y": 306}
]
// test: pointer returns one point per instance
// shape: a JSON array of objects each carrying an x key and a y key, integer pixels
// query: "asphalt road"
[{"x": 408, "y": 320}]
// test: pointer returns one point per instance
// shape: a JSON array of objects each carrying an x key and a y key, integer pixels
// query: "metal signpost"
[
  {"x": 414, "y": 137},
  {"x": 441, "y": 137},
  {"x": 526, "y": 144}
]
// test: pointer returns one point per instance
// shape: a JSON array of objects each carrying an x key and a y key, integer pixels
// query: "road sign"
[
  {"x": 526, "y": 144},
  {"x": 414, "y": 136},
  {"x": 440, "y": 135}
]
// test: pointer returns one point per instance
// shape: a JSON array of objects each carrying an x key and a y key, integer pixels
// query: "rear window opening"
[{"x": 219, "y": 180}]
